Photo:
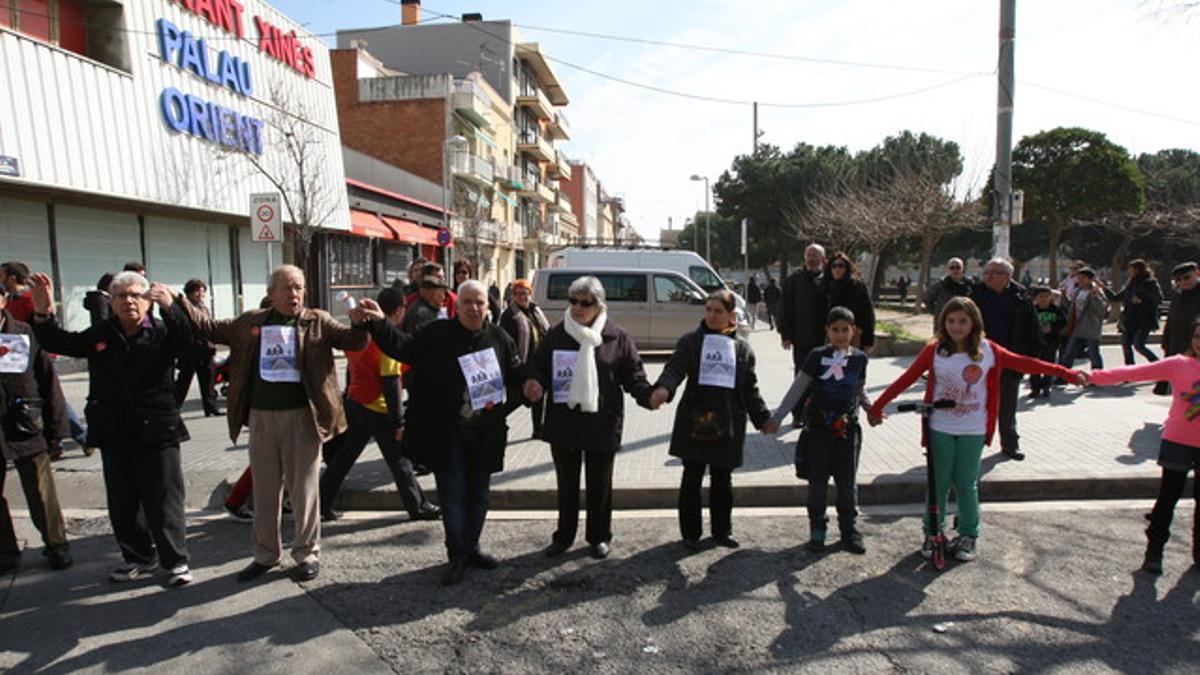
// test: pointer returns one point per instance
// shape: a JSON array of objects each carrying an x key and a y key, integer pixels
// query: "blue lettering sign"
[
  {"x": 191, "y": 114},
  {"x": 174, "y": 109},
  {"x": 183, "y": 49}
]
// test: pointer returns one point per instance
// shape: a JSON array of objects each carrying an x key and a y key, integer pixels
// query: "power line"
[{"x": 1111, "y": 104}]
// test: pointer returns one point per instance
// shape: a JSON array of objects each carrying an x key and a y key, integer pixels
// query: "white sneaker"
[
  {"x": 964, "y": 550},
  {"x": 180, "y": 576},
  {"x": 927, "y": 547},
  {"x": 131, "y": 572}
]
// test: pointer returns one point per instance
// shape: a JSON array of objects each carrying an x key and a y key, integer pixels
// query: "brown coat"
[{"x": 318, "y": 335}]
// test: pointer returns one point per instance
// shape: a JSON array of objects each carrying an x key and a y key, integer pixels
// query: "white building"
[{"x": 130, "y": 131}]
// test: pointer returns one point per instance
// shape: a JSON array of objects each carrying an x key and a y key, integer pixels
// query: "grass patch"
[{"x": 897, "y": 331}]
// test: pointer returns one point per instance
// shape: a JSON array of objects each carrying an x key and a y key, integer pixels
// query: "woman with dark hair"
[
  {"x": 710, "y": 423},
  {"x": 463, "y": 270},
  {"x": 97, "y": 301},
  {"x": 844, "y": 289},
  {"x": 1140, "y": 300},
  {"x": 198, "y": 361}
]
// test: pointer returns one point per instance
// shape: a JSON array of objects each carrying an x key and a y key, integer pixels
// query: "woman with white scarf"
[{"x": 582, "y": 365}]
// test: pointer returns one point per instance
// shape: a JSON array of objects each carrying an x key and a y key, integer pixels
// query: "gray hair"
[
  {"x": 473, "y": 285},
  {"x": 955, "y": 260},
  {"x": 819, "y": 248},
  {"x": 281, "y": 272},
  {"x": 1001, "y": 262},
  {"x": 589, "y": 286},
  {"x": 124, "y": 280}
]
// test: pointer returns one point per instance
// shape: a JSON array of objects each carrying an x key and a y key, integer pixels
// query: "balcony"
[
  {"x": 533, "y": 144},
  {"x": 533, "y": 188},
  {"x": 537, "y": 102},
  {"x": 510, "y": 177},
  {"x": 561, "y": 203},
  {"x": 472, "y": 168},
  {"x": 558, "y": 129},
  {"x": 470, "y": 101},
  {"x": 559, "y": 167}
]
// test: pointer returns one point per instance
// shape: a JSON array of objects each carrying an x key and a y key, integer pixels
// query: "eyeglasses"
[
  {"x": 954, "y": 268},
  {"x": 125, "y": 297},
  {"x": 586, "y": 304}
]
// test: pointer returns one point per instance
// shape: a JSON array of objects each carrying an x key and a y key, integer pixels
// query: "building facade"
[{"x": 144, "y": 127}]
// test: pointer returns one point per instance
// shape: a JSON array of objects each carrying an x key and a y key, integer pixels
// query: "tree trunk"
[
  {"x": 928, "y": 243},
  {"x": 1118, "y": 259},
  {"x": 879, "y": 273},
  {"x": 1054, "y": 233},
  {"x": 783, "y": 265}
]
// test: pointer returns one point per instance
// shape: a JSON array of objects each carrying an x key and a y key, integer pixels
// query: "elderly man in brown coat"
[{"x": 283, "y": 385}]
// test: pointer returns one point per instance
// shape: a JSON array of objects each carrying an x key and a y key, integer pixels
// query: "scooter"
[{"x": 940, "y": 543}]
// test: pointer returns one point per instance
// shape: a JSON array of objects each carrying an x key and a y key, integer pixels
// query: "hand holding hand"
[
  {"x": 658, "y": 397},
  {"x": 785, "y": 343},
  {"x": 770, "y": 428},
  {"x": 162, "y": 294},
  {"x": 42, "y": 293},
  {"x": 533, "y": 390},
  {"x": 1080, "y": 378}
]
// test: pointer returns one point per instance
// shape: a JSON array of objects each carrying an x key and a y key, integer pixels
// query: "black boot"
[{"x": 1153, "y": 562}]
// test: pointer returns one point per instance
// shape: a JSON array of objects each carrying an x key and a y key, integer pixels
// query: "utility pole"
[
  {"x": 1002, "y": 173},
  {"x": 756, "y": 127}
]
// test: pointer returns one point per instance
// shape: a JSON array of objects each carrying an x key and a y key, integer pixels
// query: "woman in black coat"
[
  {"x": 710, "y": 423},
  {"x": 844, "y": 289},
  {"x": 582, "y": 365},
  {"x": 1140, "y": 300}
]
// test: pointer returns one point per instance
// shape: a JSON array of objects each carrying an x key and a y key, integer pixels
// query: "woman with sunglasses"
[
  {"x": 844, "y": 289},
  {"x": 582, "y": 365}
]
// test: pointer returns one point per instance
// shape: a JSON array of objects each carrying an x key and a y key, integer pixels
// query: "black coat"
[
  {"x": 1026, "y": 336},
  {"x": 1141, "y": 315},
  {"x": 852, "y": 294},
  {"x": 801, "y": 315},
  {"x": 618, "y": 366},
  {"x": 131, "y": 386},
  {"x": 941, "y": 292},
  {"x": 44, "y": 409},
  {"x": 437, "y": 390},
  {"x": 736, "y": 404},
  {"x": 1177, "y": 335}
]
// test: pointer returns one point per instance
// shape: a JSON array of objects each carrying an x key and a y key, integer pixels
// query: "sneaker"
[
  {"x": 131, "y": 572},
  {"x": 816, "y": 541},
  {"x": 964, "y": 549},
  {"x": 180, "y": 576},
  {"x": 852, "y": 540},
  {"x": 927, "y": 547}
]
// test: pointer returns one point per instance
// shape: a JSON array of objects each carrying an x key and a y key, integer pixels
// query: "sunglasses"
[{"x": 586, "y": 304}]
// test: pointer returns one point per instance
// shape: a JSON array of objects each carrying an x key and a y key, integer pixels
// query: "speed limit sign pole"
[{"x": 266, "y": 222}]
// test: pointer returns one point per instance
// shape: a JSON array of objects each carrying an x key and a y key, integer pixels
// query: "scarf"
[{"x": 585, "y": 383}]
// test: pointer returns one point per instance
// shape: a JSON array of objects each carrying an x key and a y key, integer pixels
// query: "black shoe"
[
  {"x": 60, "y": 560},
  {"x": 454, "y": 572},
  {"x": 307, "y": 571},
  {"x": 1162, "y": 389},
  {"x": 601, "y": 550},
  {"x": 216, "y": 412},
  {"x": 241, "y": 512},
  {"x": 692, "y": 545},
  {"x": 1013, "y": 454},
  {"x": 555, "y": 549},
  {"x": 482, "y": 561},
  {"x": 1153, "y": 561},
  {"x": 421, "y": 470},
  {"x": 429, "y": 512},
  {"x": 55, "y": 452},
  {"x": 253, "y": 571},
  {"x": 852, "y": 540},
  {"x": 727, "y": 541},
  {"x": 816, "y": 545},
  {"x": 330, "y": 515}
]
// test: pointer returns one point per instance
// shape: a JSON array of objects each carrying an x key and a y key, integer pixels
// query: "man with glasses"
[
  {"x": 1010, "y": 320},
  {"x": 955, "y": 283},
  {"x": 1185, "y": 307}
]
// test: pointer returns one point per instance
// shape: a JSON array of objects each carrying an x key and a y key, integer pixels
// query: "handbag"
[{"x": 20, "y": 422}]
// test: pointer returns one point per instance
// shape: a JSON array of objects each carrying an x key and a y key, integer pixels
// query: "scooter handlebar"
[{"x": 921, "y": 406}]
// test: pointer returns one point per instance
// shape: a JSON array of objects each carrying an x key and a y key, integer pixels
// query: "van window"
[
  {"x": 617, "y": 287},
  {"x": 670, "y": 289},
  {"x": 705, "y": 278}
]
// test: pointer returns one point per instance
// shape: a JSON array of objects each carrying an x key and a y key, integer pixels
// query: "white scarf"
[{"x": 585, "y": 382}]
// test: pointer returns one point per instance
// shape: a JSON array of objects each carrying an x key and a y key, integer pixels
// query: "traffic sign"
[
  {"x": 444, "y": 237},
  {"x": 266, "y": 221}
]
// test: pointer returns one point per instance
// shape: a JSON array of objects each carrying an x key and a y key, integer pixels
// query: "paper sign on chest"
[{"x": 718, "y": 362}]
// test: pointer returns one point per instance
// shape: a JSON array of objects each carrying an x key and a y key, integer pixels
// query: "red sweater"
[{"x": 1004, "y": 360}]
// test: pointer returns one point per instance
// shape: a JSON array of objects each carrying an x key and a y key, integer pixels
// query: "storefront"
[{"x": 147, "y": 126}]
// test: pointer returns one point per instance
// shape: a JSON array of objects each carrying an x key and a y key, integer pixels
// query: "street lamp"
[{"x": 707, "y": 220}]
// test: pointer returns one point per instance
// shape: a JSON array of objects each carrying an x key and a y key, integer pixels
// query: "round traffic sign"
[
  {"x": 444, "y": 236},
  {"x": 265, "y": 213}
]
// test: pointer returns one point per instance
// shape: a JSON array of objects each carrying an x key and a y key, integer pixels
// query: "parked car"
[{"x": 654, "y": 306}]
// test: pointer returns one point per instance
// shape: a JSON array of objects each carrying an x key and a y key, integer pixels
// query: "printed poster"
[
  {"x": 563, "y": 364},
  {"x": 14, "y": 353},
  {"x": 485, "y": 381},
  {"x": 277, "y": 360},
  {"x": 718, "y": 362}
]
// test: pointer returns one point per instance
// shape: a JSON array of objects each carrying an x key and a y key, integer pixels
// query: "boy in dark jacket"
[
  {"x": 1051, "y": 321},
  {"x": 832, "y": 438}
]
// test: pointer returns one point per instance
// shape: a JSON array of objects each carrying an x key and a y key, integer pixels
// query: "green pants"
[{"x": 956, "y": 463}]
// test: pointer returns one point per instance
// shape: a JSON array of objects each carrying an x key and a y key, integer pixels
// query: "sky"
[{"x": 846, "y": 73}]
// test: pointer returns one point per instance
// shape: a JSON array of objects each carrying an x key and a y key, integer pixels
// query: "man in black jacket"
[
  {"x": 772, "y": 296},
  {"x": 802, "y": 308},
  {"x": 1185, "y": 307},
  {"x": 1010, "y": 320},
  {"x": 133, "y": 417},
  {"x": 466, "y": 379},
  {"x": 955, "y": 283}
]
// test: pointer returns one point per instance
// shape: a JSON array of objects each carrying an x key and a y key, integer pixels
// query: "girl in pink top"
[
  {"x": 1180, "y": 448},
  {"x": 964, "y": 367}
]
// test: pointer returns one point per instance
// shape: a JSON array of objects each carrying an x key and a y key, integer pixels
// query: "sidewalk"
[{"x": 1098, "y": 444}]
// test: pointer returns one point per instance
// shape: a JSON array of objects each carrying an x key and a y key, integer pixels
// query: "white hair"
[
  {"x": 473, "y": 285},
  {"x": 589, "y": 286},
  {"x": 817, "y": 247},
  {"x": 282, "y": 272},
  {"x": 955, "y": 260},
  {"x": 1002, "y": 262},
  {"x": 124, "y": 280}
]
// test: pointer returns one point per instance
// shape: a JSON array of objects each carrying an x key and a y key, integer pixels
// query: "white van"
[
  {"x": 687, "y": 263},
  {"x": 656, "y": 307}
]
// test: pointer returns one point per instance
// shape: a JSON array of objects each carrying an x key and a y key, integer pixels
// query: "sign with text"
[
  {"x": 9, "y": 166},
  {"x": 266, "y": 222}
]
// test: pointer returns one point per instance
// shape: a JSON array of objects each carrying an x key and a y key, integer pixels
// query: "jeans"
[
  {"x": 462, "y": 487},
  {"x": 720, "y": 500},
  {"x": 1136, "y": 339},
  {"x": 829, "y": 456},
  {"x": 1075, "y": 345},
  {"x": 956, "y": 464}
]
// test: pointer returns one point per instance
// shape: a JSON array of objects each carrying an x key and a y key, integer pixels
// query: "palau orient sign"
[{"x": 188, "y": 113}]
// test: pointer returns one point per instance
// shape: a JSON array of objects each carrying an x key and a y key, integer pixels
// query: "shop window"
[
  {"x": 396, "y": 259},
  {"x": 350, "y": 261},
  {"x": 91, "y": 28}
]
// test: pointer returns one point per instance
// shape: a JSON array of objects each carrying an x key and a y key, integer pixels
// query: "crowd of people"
[{"x": 434, "y": 372}]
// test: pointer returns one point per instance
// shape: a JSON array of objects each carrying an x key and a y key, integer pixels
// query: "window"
[
  {"x": 705, "y": 278},
  {"x": 670, "y": 289},
  {"x": 617, "y": 287},
  {"x": 350, "y": 261},
  {"x": 94, "y": 30},
  {"x": 396, "y": 259}
]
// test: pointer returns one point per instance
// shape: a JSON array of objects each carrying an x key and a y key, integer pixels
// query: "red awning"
[
  {"x": 368, "y": 224},
  {"x": 413, "y": 233}
]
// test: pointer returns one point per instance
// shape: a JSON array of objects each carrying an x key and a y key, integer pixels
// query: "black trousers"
[
  {"x": 1169, "y": 492},
  {"x": 145, "y": 502},
  {"x": 1039, "y": 383},
  {"x": 537, "y": 410},
  {"x": 37, "y": 480},
  {"x": 366, "y": 424},
  {"x": 828, "y": 457},
  {"x": 567, "y": 463},
  {"x": 720, "y": 500},
  {"x": 200, "y": 365},
  {"x": 1010, "y": 390}
]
